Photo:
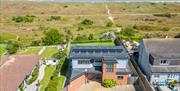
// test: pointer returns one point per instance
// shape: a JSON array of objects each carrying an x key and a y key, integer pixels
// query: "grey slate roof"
[
  {"x": 163, "y": 48},
  {"x": 98, "y": 51},
  {"x": 162, "y": 69}
]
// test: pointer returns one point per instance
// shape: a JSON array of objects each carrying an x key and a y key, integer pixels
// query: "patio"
[{"x": 95, "y": 86}]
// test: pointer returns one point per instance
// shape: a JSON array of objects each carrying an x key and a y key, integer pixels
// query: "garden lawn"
[
  {"x": 61, "y": 82},
  {"x": 94, "y": 44},
  {"x": 49, "y": 52},
  {"x": 2, "y": 49},
  {"x": 29, "y": 51},
  {"x": 48, "y": 73}
]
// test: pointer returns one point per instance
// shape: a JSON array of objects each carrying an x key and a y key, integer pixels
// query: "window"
[
  {"x": 120, "y": 77},
  {"x": 164, "y": 62},
  {"x": 109, "y": 67},
  {"x": 156, "y": 75},
  {"x": 83, "y": 62},
  {"x": 171, "y": 76}
]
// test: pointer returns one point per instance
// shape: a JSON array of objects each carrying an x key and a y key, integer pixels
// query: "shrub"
[
  {"x": 59, "y": 55},
  {"x": 21, "y": 87},
  {"x": 34, "y": 76},
  {"x": 35, "y": 43},
  {"x": 128, "y": 31},
  {"x": 27, "y": 18},
  {"x": 109, "y": 24},
  {"x": 165, "y": 15},
  {"x": 12, "y": 47},
  {"x": 87, "y": 22},
  {"x": 81, "y": 38},
  {"x": 91, "y": 37},
  {"x": 109, "y": 83},
  {"x": 54, "y": 18},
  {"x": 165, "y": 29}
]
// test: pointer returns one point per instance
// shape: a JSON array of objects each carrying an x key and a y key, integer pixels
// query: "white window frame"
[
  {"x": 156, "y": 76},
  {"x": 164, "y": 62},
  {"x": 171, "y": 76}
]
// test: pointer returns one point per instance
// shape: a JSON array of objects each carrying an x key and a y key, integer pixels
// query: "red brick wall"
[
  {"x": 123, "y": 81},
  {"x": 112, "y": 75},
  {"x": 79, "y": 81},
  {"x": 108, "y": 75}
]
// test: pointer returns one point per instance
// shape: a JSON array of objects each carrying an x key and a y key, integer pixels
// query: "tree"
[
  {"x": 59, "y": 55},
  {"x": 12, "y": 47},
  {"x": 109, "y": 83},
  {"x": 52, "y": 37},
  {"x": 91, "y": 37},
  {"x": 109, "y": 24},
  {"x": 87, "y": 22}
]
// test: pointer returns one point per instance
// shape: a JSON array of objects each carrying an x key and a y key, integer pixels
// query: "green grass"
[
  {"x": 29, "y": 51},
  {"x": 2, "y": 49},
  {"x": 48, "y": 73},
  {"x": 49, "y": 52},
  {"x": 94, "y": 44},
  {"x": 61, "y": 82}
]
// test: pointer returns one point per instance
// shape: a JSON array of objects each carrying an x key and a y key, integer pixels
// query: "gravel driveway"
[{"x": 95, "y": 86}]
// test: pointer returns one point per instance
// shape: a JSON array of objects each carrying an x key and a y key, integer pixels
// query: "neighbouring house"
[
  {"x": 97, "y": 62},
  {"x": 15, "y": 69},
  {"x": 159, "y": 60}
]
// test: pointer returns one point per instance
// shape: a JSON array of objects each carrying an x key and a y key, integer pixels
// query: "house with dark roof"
[
  {"x": 159, "y": 59},
  {"x": 98, "y": 62}
]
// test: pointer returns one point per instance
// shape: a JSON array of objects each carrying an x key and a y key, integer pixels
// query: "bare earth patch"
[{"x": 95, "y": 86}]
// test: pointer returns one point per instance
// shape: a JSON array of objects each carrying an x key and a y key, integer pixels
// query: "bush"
[
  {"x": 25, "y": 19},
  {"x": 165, "y": 29},
  {"x": 59, "y": 55},
  {"x": 56, "y": 18},
  {"x": 91, "y": 37},
  {"x": 165, "y": 15},
  {"x": 21, "y": 87},
  {"x": 12, "y": 47},
  {"x": 81, "y": 37},
  {"x": 128, "y": 31},
  {"x": 109, "y": 83},
  {"x": 87, "y": 22},
  {"x": 109, "y": 24},
  {"x": 34, "y": 76},
  {"x": 35, "y": 43}
]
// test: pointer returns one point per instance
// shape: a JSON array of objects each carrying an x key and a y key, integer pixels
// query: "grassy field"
[
  {"x": 48, "y": 73},
  {"x": 2, "y": 49},
  {"x": 49, "y": 52},
  {"x": 29, "y": 51},
  {"x": 72, "y": 14}
]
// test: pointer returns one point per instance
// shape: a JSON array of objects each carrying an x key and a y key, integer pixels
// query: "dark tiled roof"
[
  {"x": 14, "y": 71},
  {"x": 76, "y": 72},
  {"x": 163, "y": 48},
  {"x": 98, "y": 51}
]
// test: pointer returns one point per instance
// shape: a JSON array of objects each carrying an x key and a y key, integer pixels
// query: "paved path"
[
  {"x": 33, "y": 87},
  {"x": 42, "y": 50}
]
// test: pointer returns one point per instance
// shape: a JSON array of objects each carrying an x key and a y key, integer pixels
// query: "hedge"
[{"x": 34, "y": 76}]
